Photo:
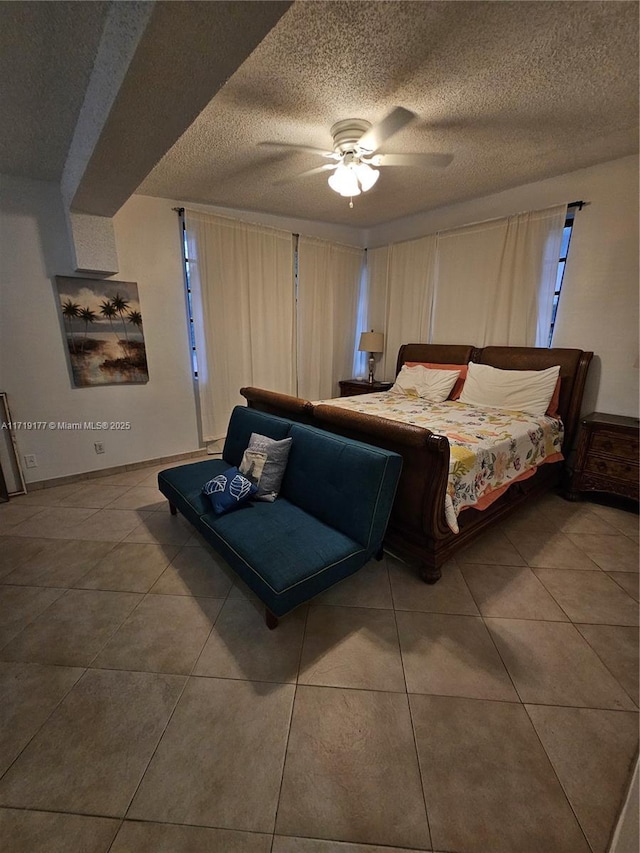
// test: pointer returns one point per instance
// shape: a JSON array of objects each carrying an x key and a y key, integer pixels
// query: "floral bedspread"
[{"x": 489, "y": 448}]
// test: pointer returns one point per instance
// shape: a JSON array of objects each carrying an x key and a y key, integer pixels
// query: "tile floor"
[{"x": 146, "y": 708}]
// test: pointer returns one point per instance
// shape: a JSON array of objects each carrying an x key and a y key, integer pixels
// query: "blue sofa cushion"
[
  {"x": 356, "y": 482},
  {"x": 245, "y": 421},
  {"x": 294, "y": 558}
]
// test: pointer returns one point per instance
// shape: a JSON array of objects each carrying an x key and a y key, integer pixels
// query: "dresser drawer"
[
  {"x": 615, "y": 444},
  {"x": 617, "y": 468}
]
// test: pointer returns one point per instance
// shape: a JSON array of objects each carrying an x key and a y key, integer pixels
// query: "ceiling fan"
[{"x": 356, "y": 144}]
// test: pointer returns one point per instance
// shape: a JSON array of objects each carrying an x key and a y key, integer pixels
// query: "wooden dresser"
[
  {"x": 607, "y": 457},
  {"x": 349, "y": 387}
]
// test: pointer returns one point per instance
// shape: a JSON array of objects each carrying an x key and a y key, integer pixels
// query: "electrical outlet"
[
  {"x": 30, "y": 460},
  {"x": 99, "y": 446}
]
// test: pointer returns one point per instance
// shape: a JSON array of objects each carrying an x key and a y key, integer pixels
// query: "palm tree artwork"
[
  {"x": 102, "y": 351},
  {"x": 69, "y": 311},
  {"x": 87, "y": 316},
  {"x": 121, "y": 306}
]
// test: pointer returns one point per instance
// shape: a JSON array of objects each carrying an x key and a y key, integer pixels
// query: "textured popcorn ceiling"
[
  {"x": 515, "y": 91},
  {"x": 46, "y": 55}
]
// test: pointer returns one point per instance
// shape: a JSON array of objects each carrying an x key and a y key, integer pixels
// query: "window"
[
  {"x": 187, "y": 284},
  {"x": 564, "y": 252}
]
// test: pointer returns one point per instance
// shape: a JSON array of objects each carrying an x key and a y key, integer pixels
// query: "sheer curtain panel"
[
  {"x": 328, "y": 290},
  {"x": 496, "y": 280},
  {"x": 244, "y": 311},
  {"x": 411, "y": 268}
]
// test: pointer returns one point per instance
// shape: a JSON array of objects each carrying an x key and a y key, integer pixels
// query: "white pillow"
[
  {"x": 518, "y": 390},
  {"x": 419, "y": 381}
]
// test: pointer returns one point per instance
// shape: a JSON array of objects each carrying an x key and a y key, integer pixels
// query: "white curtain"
[
  {"x": 377, "y": 281},
  {"x": 328, "y": 290},
  {"x": 244, "y": 309},
  {"x": 495, "y": 280},
  {"x": 403, "y": 275}
]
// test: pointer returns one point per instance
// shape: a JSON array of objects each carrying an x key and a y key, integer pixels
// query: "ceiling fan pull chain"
[{"x": 351, "y": 202}]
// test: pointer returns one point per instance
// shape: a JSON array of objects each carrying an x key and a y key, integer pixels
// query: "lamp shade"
[{"x": 371, "y": 342}]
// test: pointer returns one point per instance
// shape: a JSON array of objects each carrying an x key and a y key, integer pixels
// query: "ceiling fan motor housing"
[{"x": 347, "y": 132}]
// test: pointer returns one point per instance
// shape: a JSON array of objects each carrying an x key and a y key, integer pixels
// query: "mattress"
[{"x": 489, "y": 448}]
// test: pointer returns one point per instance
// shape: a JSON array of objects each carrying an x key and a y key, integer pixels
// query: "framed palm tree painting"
[{"x": 103, "y": 331}]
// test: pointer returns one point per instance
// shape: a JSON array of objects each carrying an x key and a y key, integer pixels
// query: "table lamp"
[{"x": 371, "y": 342}]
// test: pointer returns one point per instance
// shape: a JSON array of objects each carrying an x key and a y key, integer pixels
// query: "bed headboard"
[{"x": 574, "y": 364}]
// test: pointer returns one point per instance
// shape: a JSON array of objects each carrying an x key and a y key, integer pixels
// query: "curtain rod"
[{"x": 578, "y": 204}]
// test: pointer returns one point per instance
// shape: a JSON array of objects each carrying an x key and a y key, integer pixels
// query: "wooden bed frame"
[{"x": 418, "y": 531}]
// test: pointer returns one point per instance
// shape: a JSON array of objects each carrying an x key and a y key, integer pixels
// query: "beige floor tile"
[
  {"x": 629, "y": 581},
  {"x": 368, "y": 587},
  {"x": 511, "y": 591},
  {"x": 140, "y": 497},
  {"x": 624, "y": 520},
  {"x": 137, "y": 837},
  {"x": 53, "y": 522},
  {"x": 162, "y": 529},
  {"x": 165, "y": 633},
  {"x": 449, "y": 595},
  {"x": 220, "y": 760},
  {"x": 195, "y": 571},
  {"x": 531, "y": 517},
  {"x": 351, "y": 647},
  {"x": 28, "y": 694},
  {"x": 572, "y": 517},
  {"x": 351, "y": 772},
  {"x": 47, "y": 497},
  {"x": 488, "y": 782},
  {"x": 493, "y": 547},
  {"x": 16, "y": 550},
  {"x": 73, "y": 629},
  {"x": 12, "y": 515},
  {"x": 617, "y": 648},
  {"x": 47, "y": 832},
  {"x": 91, "y": 753},
  {"x": 107, "y": 525},
  {"x": 96, "y": 495},
  {"x": 592, "y": 753},
  {"x": 552, "y": 664},
  {"x": 60, "y": 563},
  {"x": 129, "y": 567},
  {"x": 452, "y": 656},
  {"x": 551, "y": 551},
  {"x": 590, "y": 597},
  {"x": 611, "y": 553},
  {"x": 283, "y": 844},
  {"x": 20, "y": 605},
  {"x": 241, "y": 646}
]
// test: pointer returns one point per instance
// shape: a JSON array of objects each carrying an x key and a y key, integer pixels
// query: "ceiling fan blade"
[
  {"x": 385, "y": 129},
  {"x": 307, "y": 148},
  {"x": 316, "y": 171},
  {"x": 425, "y": 161}
]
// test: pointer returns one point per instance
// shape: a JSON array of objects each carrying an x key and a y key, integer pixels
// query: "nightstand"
[
  {"x": 349, "y": 387},
  {"x": 607, "y": 457}
]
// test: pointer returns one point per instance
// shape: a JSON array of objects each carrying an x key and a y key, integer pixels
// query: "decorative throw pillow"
[
  {"x": 433, "y": 365},
  {"x": 553, "y": 410},
  {"x": 264, "y": 462},
  {"x": 518, "y": 390},
  {"x": 431, "y": 385},
  {"x": 228, "y": 490}
]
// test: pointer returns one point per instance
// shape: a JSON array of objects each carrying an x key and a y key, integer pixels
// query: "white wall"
[
  {"x": 34, "y": 247},
  {"x": 599, "y": 304}
]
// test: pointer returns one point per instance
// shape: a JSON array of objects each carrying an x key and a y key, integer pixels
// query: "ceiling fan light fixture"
[
  {"x": 344, "y": 181},
  {"x": 366, "y": 176}
]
